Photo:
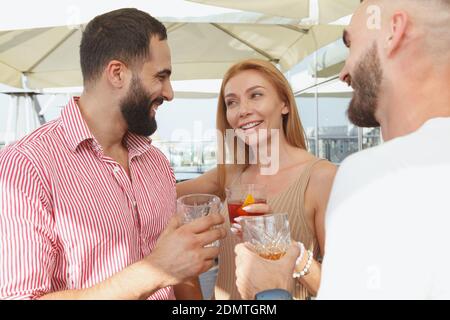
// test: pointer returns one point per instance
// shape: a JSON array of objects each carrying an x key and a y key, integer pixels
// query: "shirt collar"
[
  {"x": 75, "y": 127},
  {"x": 77, "y": 131},
  {"x": 137, "y": 144}
]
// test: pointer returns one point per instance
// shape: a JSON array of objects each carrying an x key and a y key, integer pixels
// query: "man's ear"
[
  {"x": 397, "y": 32},
  {"x": 116, "y": 73}
]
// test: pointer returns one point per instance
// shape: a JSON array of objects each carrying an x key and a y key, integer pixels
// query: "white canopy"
[
  {"x": 326, "y": 10},
  {"x": 26, "y": 14},
  {"x": 49, "y": 57}
]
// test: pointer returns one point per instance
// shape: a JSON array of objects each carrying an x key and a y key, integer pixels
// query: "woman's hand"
[{"x": 255, "y": 209}]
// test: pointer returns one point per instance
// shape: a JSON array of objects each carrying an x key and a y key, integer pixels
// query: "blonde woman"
[{"x": 255, "y": 97}]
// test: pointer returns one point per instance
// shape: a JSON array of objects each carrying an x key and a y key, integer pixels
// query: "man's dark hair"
[{"x": 123, "y": 35}]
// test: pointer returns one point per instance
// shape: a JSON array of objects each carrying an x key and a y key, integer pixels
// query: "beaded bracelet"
[{"x": 305, "y": 270}]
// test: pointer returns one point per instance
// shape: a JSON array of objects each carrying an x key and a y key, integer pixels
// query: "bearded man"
[
  {"x": 388, "y": 217},
  {"x": 87, "y": 203}
]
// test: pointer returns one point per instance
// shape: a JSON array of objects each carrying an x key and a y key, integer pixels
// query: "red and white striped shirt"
[{"x": 70, "y": 216}]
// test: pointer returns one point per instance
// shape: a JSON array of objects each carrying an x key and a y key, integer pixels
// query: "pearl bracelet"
[{"x": 305, "y": 270}]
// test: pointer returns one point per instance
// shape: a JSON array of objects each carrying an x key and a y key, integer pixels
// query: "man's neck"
[
  {"x": 103, "y": 118},
  {"x": 404, "y": 109}
]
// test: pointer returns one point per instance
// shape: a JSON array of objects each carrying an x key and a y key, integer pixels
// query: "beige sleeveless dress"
[{"x": 290, "y": 201}]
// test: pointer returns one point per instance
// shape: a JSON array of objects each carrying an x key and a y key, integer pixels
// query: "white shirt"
[{"x": 388, "y": 220}]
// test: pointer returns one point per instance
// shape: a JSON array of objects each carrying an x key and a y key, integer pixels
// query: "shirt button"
[{"x": 116, "y": 169}]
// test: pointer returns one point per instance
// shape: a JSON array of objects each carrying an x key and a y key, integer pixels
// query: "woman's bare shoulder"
[
  {"x": 321, "y": 181},
  {"x": 323, "y": 172}
]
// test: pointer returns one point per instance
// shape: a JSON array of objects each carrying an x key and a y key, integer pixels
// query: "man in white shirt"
[{"x": 388, "y": 218}]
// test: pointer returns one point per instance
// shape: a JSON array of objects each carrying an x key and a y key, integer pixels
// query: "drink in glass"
[
  {"x": 242, "y": 195},
  {"x": 194, "y": 206},
  {"x": 268, "y": 234}
]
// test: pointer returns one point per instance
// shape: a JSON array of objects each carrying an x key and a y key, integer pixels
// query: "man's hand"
[
  {"x": 180, "y": 252},
  {"x": 255, "y": 274}
]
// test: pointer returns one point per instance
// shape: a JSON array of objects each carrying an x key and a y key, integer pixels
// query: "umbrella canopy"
[
  {"x": 49, "y": 57},
  {"x": 327, "y": 10}
]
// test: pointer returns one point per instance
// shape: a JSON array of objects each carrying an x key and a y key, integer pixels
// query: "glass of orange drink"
[{"x": 242, "y": 195}]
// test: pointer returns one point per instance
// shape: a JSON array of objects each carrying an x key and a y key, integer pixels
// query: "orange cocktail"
[
  {"x": 240, "y": 196},
  {"x": 235, "y": 209}
]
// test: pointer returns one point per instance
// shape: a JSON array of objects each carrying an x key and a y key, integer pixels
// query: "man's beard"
[
  {"x": 136, "y": 109},
  {"x": 366, "y": 83}
]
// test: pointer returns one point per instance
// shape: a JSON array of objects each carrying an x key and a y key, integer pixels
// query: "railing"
[{"x": 191, "y": 158}]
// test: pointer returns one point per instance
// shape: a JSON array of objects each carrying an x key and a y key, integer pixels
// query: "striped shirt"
[{"x": 70, "y": 216}]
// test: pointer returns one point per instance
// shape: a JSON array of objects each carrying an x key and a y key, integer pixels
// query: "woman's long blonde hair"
[{"x": 292, "y": 126}]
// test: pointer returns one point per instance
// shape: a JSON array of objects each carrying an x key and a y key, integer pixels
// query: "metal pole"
[
  {"x": 315, "y": 17},
  {"x": 360, "y": 138},
  {"x": 316, "y": 96},
  {"x": 9, "y": 133},
  {"x": 37, "y": 108}
]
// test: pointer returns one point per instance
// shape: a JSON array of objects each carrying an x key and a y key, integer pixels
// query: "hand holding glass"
[
  {"x": 239, "y": 196},
  {"x": 195, "y": 206},
  {"x": 268, "y": 234}
]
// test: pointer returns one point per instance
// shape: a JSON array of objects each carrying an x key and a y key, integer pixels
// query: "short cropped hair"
[{"x": 123, "y": 35}]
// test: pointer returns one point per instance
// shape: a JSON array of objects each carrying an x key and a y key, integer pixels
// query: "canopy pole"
[
  {"x": 10, "y": 123},
  {"x": 37, "y": 109},
  {"x": 316, "y": 94},
  {"x": 360, "y": 138},
  {"x": 314, "y": 16}
]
